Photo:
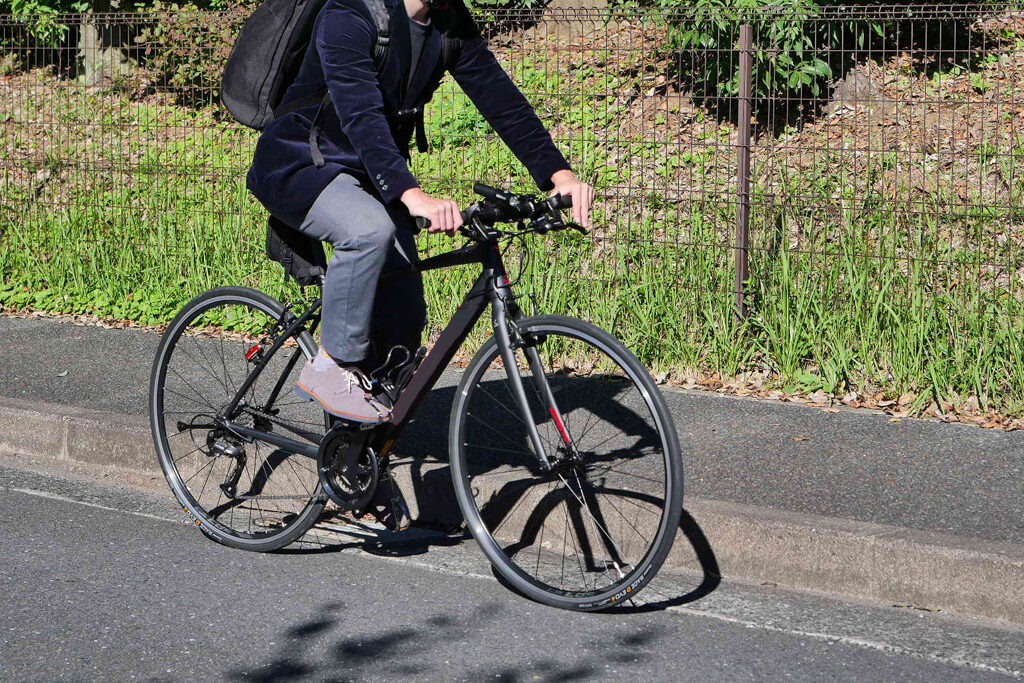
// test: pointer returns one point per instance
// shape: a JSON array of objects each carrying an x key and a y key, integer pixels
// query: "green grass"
[{"x": 128, "y": 209}]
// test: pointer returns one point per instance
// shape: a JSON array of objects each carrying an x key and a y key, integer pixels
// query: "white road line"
[
  {"x": 856, "y": 642},
  {"x": 845, "y": 640},
  {"x": 66, "y": 499}
]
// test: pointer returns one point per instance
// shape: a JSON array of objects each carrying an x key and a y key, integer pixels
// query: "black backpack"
[
  {"x": 262, "y": 64},
  {"x": 269, "y": 50}
]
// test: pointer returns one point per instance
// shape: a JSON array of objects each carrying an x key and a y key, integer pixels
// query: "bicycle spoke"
[
  {"x": 599, "y": 543},
  {"x": 188, "y": 454},
  {"x": 518, "y": 417},
  {"x": 184, "y": 396},
  {"x": 273, "y": 489},
  {"x": 205, "y": 482},
  {"x": 579, "y": 558},
  {"x": 195, "y": 343},
  {"x": 584, "y": 504},
  {"x": 493, "y": 430},
  {"x": 201, "y": 470},
  {"x": 636, "y": 476}
]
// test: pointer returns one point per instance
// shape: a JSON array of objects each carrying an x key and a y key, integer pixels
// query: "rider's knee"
[{"x": 366, "y": 230}]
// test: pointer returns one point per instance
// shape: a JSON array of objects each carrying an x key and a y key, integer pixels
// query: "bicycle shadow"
[
  {"x": 711, "y": 576},
  {"x": 371, "y": 539},
  {"x": 433, "y": 492}
]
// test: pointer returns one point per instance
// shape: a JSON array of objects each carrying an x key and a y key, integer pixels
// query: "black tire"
[
  {"x": 495, "y": 474},
  {"x": 186, "y": 386}
]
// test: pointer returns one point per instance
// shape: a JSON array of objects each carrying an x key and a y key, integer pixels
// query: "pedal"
[
  {"x": 394, "y": 374},
  {"x": 405, "y": 373}
]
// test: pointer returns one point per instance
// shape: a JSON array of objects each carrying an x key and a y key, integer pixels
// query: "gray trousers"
[{"x": 364, "y": 318}]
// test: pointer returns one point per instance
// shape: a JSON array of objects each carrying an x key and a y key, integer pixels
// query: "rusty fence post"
[{"x": 743, "y": 170}]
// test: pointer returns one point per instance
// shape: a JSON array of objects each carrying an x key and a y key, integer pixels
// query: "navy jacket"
[{"x": 356, "y": 136}]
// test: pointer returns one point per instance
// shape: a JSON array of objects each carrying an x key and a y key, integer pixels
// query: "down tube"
[{"x": 444, "y": 350}]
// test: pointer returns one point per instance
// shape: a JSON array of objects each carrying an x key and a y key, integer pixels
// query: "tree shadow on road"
[{"x": 325, "y": 647}]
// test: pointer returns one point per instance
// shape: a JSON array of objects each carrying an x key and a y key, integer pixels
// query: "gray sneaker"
[{"x": 343, "y": 392}]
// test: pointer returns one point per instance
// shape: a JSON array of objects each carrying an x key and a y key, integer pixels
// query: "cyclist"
[{"x": 339, "y": 173}]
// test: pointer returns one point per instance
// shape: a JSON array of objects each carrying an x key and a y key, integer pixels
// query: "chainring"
[{"x": 348, "y": 468}]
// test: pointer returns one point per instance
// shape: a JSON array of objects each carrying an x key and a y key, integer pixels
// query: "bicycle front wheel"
[
  {"x": 594, "y": 529},
  {"x": 241, "y": 493}
]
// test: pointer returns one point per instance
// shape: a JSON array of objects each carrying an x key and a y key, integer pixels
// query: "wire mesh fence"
[{"x": 883, "y": 208}]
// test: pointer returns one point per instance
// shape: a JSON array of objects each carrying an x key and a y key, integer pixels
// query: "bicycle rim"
[
  {"x": 202, "y": 361},
  {"x": 589, "y": 534}
]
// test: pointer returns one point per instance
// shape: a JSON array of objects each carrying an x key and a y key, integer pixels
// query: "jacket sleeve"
[
  {"x": 345, "y": 40},
  {"x": 507, "y": 110}
]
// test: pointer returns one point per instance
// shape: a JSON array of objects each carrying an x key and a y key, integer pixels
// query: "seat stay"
[
  {"x": 286, "y": 334},
  {"x": 276, "y": 391}
]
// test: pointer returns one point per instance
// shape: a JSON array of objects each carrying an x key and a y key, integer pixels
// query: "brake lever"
[{"x": 577, "y": 227}]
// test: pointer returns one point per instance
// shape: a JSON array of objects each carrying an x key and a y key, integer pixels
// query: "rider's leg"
[
  {"x": 361, "y": 230},
  {"x": 399, "y": 316},
  {"x": 399, "y": 311}
]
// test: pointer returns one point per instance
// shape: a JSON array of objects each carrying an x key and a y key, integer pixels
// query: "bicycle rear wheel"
[
  {"x": 244, "y": 494},
  {"x": 594, "y": 530}
]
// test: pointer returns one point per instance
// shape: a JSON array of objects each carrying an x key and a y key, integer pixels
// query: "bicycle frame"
[{"x": 492, "y": 288}]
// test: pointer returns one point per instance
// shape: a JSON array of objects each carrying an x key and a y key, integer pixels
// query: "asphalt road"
[
  {"x": 853, "y": 465},
  {"x": 105, "y": 581}
]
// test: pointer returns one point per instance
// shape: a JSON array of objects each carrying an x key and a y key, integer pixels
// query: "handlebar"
[{"x": 501, "y": 206}]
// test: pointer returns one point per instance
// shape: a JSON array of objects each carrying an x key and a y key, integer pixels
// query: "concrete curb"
[{"x": 858, "y": 559}]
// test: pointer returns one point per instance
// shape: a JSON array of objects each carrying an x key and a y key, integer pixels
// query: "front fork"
[{"x": 505, "y": 313}]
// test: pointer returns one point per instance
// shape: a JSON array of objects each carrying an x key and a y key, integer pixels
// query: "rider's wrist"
[
  {"x": 562, "y": 176},
  {"x": 412, "y": 193}
]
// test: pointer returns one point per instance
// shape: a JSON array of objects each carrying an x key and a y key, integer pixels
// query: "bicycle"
[{"x": 563, "y": 455}]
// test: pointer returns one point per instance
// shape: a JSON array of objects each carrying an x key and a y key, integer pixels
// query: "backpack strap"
[
  {"x": 451, "y": 50},
  {"x": 381, "y": 15}
]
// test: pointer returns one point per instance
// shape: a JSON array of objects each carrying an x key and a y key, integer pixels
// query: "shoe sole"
[{"x": 303, "y": 392}]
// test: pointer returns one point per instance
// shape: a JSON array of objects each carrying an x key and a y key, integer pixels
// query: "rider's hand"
[
  {"x": 582, "y": 195},
  {"x": 443, "y": 214}
]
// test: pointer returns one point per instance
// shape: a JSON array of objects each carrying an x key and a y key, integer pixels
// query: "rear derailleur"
[{"x": 221, "y": 444}]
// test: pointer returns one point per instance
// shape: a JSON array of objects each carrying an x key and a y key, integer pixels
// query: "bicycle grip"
[
  {"x": 488, "y": 192},
  {"x": 423, "y": 223},
  {"x": 563, "y": 201}
]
